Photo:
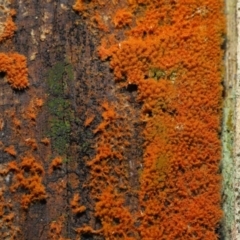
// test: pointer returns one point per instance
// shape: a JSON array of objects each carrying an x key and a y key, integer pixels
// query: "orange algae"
[
  {"x": 32, "y": 143},
  {"x": 109, "y": 178},
  {"x": 32, "y": 109},
  {"x": 22, "y": 179},
  {"x": 15, "y": 67},
  {"x": 98, "y": 19},
  {"x": 86, "y": 229},
  {"x": 28, "y": 176},
  {"x": 173, "y": 55},
  {"x": 117, "y": 221},
  {"x": 122, "y": 18},
  {"x": 56, "y": 229},
  {"x": 9, "y": 26},
  {"x": 78, "y": 6},
  {"x": 89, "y": 120},
  {"x": 38, "y": 102},
  {"x": 7, "y": 218},
  {"x": 45, "y": 141},
  {"x": 56, "y": 163},
  {"x": 13, "y": 64},
  {"x": 108, "y": 115},
  {"x": 16, "y": 123},
  {"x": 76, "y": 208},
  {"x": 10, "y": 150}
]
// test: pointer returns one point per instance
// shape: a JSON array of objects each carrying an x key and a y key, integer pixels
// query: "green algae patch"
[{"x": 59, "y": 80}]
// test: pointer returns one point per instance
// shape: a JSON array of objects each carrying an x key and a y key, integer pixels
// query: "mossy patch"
[
  {"x": 59, "y": 80},
  {"x": 158, "y": 74}
]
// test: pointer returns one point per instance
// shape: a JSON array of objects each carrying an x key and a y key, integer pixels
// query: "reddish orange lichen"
[
  {"x": 9, "y": 26},
  {"x": 122, "y": 18},
  {"x": 32, "y": 143},
  {"x": 31, "y": 111},
  {"x": 86, "y": 229},
  {"x": 89, "y": 120},
  {"x": 13, "y": 64},
  {"x": 38, "y": 102},
  {"x": 7, "y": 218},
  {"x": 107, "y": 47},
  {"x": 98, "y": 21},
  {"x": 28, "y": 176},
  {"x": 78, "y": 6},
  {"x": 56, "y": 229},
  {"x": 56, "y": 163},
  {"x": 173, "y": 55},
  {"x": 109, "y": 169},
  {"x": 10, "y": 150},
  {"x": 45, "y": 141},
  {"x": 21, "y": 179},
  {"x": 16, "y": 123},
  {"x": 15, "y": 67},
  {"x": 76, "y": 208}
]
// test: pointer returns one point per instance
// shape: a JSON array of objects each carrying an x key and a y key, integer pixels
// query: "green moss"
[
  {"x": 156, "y": 73},
  {"x": 66, "y": 160},
  {"x": 85, "y": 146},
  {"x": 173, "y": 75},
  {"x": 58, "y": 104},
  {"x": 54, "y": 79},
  {"x": 70, "y": 72},
  {"x": 58, "y": 107}
]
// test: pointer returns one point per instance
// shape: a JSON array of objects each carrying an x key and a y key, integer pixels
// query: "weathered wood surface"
[
  {"x": 227, "y": 123},
  {"x": 67, "y": 76},
  {"x": 62, "y": 64}
]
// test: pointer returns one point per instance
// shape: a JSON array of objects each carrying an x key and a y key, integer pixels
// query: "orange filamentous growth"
[
  {"x": 122, "y": 18},
  {"x": 97, "y": 18},
  {"x": 16, "y": 122},
  {"x": 32, "y": 143},
  {"x": 78, "y": 6},
  {"x": 108, "y": 179},
  {"x": 173, "y": 55},
  {"x": 28, "y": 175},
  {"x": 10, "y": 150},
  {"x": 76, "y": 208},
  {"x": 38, "y": 102},
  {"x": 56, "y": 229},
  {"x": 89, "y": 120},
  {"x": 31, "y": 111},
  {"x": 56, "y": 163},
  {"x": 45, "y": 141},
  {"x": 104, "y": 51},
  {"x": 8, "y": 27},
  {"x": 115, "y": 218},
  {"x": 15, "y": 67},
  {"x": 108, "y": 115},
  {"x": 7, "y": 217}
]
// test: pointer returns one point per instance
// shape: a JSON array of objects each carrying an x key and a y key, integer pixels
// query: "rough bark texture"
[
  {"x": 66, "y": 73},
  {"x": 230, "y": 149},
  {"x": 148, "y": 127}
]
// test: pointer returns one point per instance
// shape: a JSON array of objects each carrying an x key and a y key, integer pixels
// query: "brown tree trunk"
[
  {"x": 122, "y": 149},
  {"x": 66, "y": 74}
]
